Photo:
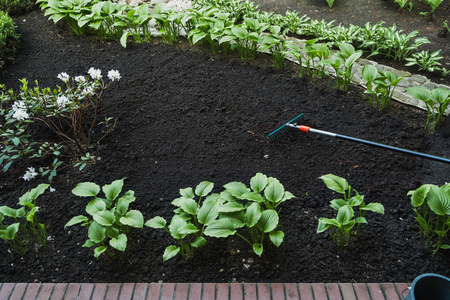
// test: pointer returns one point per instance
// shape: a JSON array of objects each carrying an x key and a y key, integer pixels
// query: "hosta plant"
[
  {"x": 436, "y": 101},
  {"x": 343, "y": 226},
  {"x": 109, "y": 218},
  {"x": 425, "y": 61},
  {"x": 250, "y": 213},
  {"x": 380, "y": 85},
  {"x": 24, "y": 226},
  {"x": 432, "y": 207},
  {"x": 276, "y": 43}
]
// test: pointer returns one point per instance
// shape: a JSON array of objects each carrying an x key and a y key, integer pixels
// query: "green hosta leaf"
[
  {"x": 220, "y": 228},
  {"x": 418, "y": 196},
  {"x": 231, "y": 207},
  {"x": 237, "y": 217},
  {"x": 268, "y": 221},
  {"x": 204, "y": 188},
  {"x": 174, "y": 227},
  {"x": 32, "y": 195},
  {"x": 76, "y": 220},
  {"x": 287, "y": 196},
  {"x": 338, "y": 203},
  {"x": 156, "y": 222},
  {"x": 345, "y": 215},
  {"x": 237, "y": 189},
  {"x": 112, "y": 232},
  {"x": 113, "y": 190},
  {"x": 120, "y": 243},
  {"x": 11, "y": 231},
  {"x": 128, "y": 197},
  {"x": 439, "y": 201},
  {"x": 369, "y": 73},
  {"x": 86, "y": 189},
  {"x": 170, "y": 252},
  {"x": 188, "y": 229},
  {"x": 96, "y": 232},
  {"x": 361, "y": 220},
  {"x": 11, "y": 212},
  {"x": 325, "y": 223},
  {"x": 356, "y": 200},
  {"x": 375, "y": 207},
  {"x": 189, "y": 206},
  {"x": 187, "y": 193},
  {"x": 104, "y": 218},
  {"x": 258, "y": 249},
  {"x": 420, "y": 93},
  {"x": 133, "y": 218},
  {"x": 253, "y": 196},
  {"x": 274, "y": 192},
  {"x": 335, "y": 183},
  {"x": 226, "y": 196},
  {"x": 351, "y": 60},
  {"x": 258, "y": 182},
  {"x": 95, "y": 206},
  {"x": 88, "y": 244},
  {"x": 99, "y": 250},
  {"x": 347, "y": 49},
  {"x": 240, "y": 32},
  {"x": 122, "y": 206},
  {"x": 276, "y": 237},
  {"x": 441, "y": 95},
  {"x": 214, "y": 198},
  {"x": 31, "y": 214},
  {"x": 208, "y": 212},
  {"x": 253, "y": 214},
  {"x": 198, "y": 242},
  {"x": 445, "y": 246},
  {"x": 123, "y": 39}
]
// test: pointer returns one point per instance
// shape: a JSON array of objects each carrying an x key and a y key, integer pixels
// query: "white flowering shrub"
[{"x": 70, "y": 113}]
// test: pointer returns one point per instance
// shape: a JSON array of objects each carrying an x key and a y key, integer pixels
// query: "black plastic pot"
[{"x": 429, "y": 286}]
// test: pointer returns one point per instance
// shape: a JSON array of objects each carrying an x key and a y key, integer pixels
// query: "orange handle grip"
[{"x": 304, "y": 128}]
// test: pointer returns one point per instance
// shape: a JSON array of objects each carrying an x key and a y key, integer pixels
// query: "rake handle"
[{"x": 344, "y": 137}]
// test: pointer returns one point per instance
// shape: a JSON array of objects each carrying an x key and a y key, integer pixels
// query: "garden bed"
[{"x": 185, "y": 116}]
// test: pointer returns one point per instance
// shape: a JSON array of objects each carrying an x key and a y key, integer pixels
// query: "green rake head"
[{"x": 282, "y": 130}]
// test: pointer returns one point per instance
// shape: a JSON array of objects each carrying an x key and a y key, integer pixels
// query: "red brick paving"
[{"x": 203, "y": 291}]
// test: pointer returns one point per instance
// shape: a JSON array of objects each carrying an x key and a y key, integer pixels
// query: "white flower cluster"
[
  {"x": 114, "y": 75},
  {"x": 80, "y": 79},
  {"x": 95, "y": 74},
  {"x": 62, "y": 101},
  {"x": 20, "y": 111},
  {"x": 64, "y": 77},
  {"x": 30, "y": 174}
]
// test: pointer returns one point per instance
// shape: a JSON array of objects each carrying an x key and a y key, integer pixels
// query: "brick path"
[{"x": 203, "y": 291}]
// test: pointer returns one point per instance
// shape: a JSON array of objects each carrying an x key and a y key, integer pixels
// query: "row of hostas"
[{"x": 249, "y": 213}]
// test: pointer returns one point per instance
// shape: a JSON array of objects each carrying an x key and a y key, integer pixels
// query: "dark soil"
[{"x": 185, "y": 116}]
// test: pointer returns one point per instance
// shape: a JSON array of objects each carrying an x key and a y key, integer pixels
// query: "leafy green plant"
[
  {"x": 371, "y": 36},
  {"x": 401, "y": 3},
  {"x": 439, "y": 96},
  {"x": 222, "y": 215},
  {"x": 341, "y": 34},
  {"x": 425, "y": 61},
  {"x": 25, "y": 225},
  {"x": 17, "y": 7},
  {"x": 314, "y": 54},
  {"x": 432, "y": 206},
  {"x": 110, "y": 218},
  {"x": 433, "y": 4},
  {"x": 276, "y": 44},
  {"x": 330, "y": 3},
  {"x": 9, "y": 39},
  {"x": 342, "y": 227},
  {"x": 107, "y": 18},
  {"x": 380, "y": 85},
  {"x": 138, "y": 20},
  {"x": 169, "y": 22},
  {"x": 342, "y": 63}
]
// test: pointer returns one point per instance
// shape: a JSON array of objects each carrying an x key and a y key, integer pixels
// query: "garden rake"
[{"x": 293, "y": 124}]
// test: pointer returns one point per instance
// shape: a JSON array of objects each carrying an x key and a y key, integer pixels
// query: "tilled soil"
[{"x": 185, "y": 116}]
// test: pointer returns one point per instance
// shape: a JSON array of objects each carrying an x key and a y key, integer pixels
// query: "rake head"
[{"x": 282, "y": 130}]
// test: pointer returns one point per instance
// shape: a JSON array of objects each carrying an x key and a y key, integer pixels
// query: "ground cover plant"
[{"x": 185, "y": 116}]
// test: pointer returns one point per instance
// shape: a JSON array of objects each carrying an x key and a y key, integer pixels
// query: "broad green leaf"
[
  {"x": 99, "y": 250},
  {"x": 174, "y": 227},
  {"x": 11, "y": 212},
  {"x": 122, "y": 206},
  {"x": 104, "y": 218},
  {"x": 418, "y": 196},
  {"x": 274, "y": 192},
  {"x": 258, "y": 182},
  {"x": 170, "y": 252},
  {"x": 253, "y": 196},
  {"x": 133, "y": 218},
  {"x": 30, "y": 215},
  {"x": 187, "y": 193},
  {"x": 95, "y": 206},
  {"x": 439, "y": 201},
  {"x": 287, "y": 195},
  {"x": 356, "y": 200},
  {"x": 204, "y": 188},
  {"x": 112, "y": 232},
  {"x": 369, "y": 73},
  {"x": 231, "y": 207},
  {"x": 76, "y": 220},
  {"x": 276, "y": 237},
  {"x": 240, "y": 32},
  {"x": 345, "y": 215},
  {"x": 32, "y": 195},
  {"x": 96, "y": 232},
  {"x": 237, "y": 217},
  {"x": 361, "y": 220},
  {"x": 119, "y": 243},
  {"x": 237, "y": 189},
  {"x": 322, "y": 226},
  {"x": 258, "y": 249},
  {"x": 225, "y": 195},
  {"x": 208, "y": 212},
  {"x": 351, "y": 60},
  {"x": 253, "y": 214},
  {"x": 420, "y": 93},
  {"x": 88, "y": 244},
  {"x": 188, "y": 229},
  {"x": 123, "y": 39},
  {"x": 441, "y": 95},
  {"x": 12, "y": 230},
  {"x": 156, "y": 222},
  {"x": 338, "y": 203},
  {"x": 346, "y": 49},
  {"x": 375, "y": 207},
  {"x": 198, "y": 242},
  {"x": 197, "y": 37},
  {"x": 335, "y": 183},
  {"x": 214, "y": 198},
  {"x": 445, "y": 246},
  {"x": 113, "y": 190},
  {"x": 220, "y": 228},
  {"x": 268, "y": 221},
  {"x": 188, "y": 205},
  {"x": 86, "y": 189}
]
